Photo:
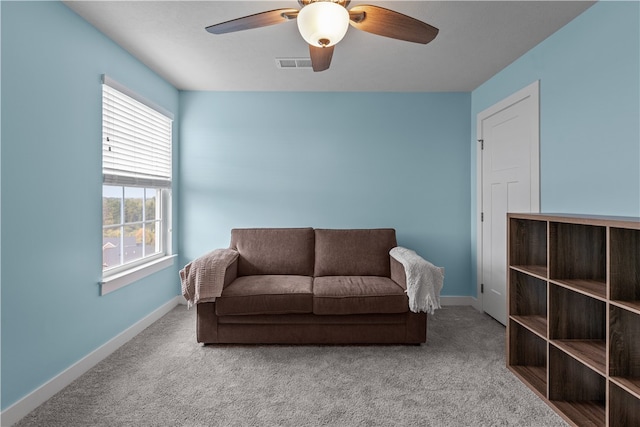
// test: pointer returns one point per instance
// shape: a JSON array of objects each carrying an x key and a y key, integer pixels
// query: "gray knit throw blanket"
[
  {"x": 424, "y": 280},
  {"x": 203, "y": 278}
]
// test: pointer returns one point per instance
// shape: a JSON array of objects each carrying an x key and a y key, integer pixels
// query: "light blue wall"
[
  {"x": 589, "y": 74},
  {"x": 52, "y": 315},
  {"x": 334, "y": 160}
]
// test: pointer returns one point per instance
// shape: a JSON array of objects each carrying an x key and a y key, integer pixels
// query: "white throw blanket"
[
  {"x": 424, "y": 280},
  {"x": 203, "y": 278}
]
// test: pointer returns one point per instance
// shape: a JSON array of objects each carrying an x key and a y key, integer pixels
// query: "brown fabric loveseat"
[{"x": 312, "y": 286}]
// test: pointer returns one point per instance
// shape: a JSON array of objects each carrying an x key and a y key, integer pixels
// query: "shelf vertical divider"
[
  {"x": 608, "y": 326},
  {"x": 548, "y": 223}
]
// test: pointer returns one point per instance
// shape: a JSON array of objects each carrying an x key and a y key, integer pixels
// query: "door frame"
[{"x": 531, "y": 91}]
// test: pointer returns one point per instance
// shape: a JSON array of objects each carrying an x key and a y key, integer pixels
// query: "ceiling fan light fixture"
[{"x": 323, "y": 23}]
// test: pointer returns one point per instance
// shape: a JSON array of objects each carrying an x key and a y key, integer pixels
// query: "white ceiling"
[{"x": 476, "y": 40}]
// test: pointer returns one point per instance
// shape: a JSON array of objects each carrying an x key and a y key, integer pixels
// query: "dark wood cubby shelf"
[
  {"x": 592, "y": 353},
  {"x": 536, "y": 324},
  {"x": 628, "y": 305},
  {"x": 533, "y": 270},
  {"x": 583, "y": 413},
  {"x": 624, "y": 409},
  {"x": 574, "y": 314},
  {"x": 577, "y": 389},
  {"x": 528, "y": 357},
  {"x": 534, "y": 376},
  {"x": 591, "y": 288},
  {"x": 632, "y": 385}
]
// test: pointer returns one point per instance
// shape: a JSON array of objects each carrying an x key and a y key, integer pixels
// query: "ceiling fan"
[{"x": 323, "y": 23}]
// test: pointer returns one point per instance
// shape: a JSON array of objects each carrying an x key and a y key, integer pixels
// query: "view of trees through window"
[{"x": 130, "y": 224}]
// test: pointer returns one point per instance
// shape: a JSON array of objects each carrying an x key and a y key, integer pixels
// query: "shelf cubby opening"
[
  {"x": 528, "y": 301},
  {"x": 578, "y": 257},
  {"x": 624, "y": 409},
  {"x": 624, "y": 348},
  {"x": 576, "y": 390},
  {"x": 528, "y": 248},
  {"x": 625, "y": 267},
  {"x": 528, "y": 357},
  {"x": 577, "y": 325}
]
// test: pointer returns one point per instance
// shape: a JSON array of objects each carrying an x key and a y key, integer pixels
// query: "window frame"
[
  {"x": 127, "y": 273},
  {"x": 162, "y": 200}
]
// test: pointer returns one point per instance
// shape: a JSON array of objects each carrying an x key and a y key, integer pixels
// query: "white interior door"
[{"x": 509, "y": 135}]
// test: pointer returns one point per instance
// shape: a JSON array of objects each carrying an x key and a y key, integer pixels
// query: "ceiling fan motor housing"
[{"x": 304, "y": 3}]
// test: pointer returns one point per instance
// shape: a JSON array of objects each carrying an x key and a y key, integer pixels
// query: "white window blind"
[{"x": 136, "y": 142}]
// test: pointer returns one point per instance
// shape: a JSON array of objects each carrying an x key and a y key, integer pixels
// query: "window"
[
  {"x": 136, "y": 190},
  {"x": 131, "y": 224}
]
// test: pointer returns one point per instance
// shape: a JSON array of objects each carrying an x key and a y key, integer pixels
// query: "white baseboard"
[
  {"x": 22, "y": 407},
  {"x": 448, "y": 300}
]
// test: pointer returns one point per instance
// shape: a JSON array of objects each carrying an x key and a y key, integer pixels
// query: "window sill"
[{"x": 117, "y": 281}]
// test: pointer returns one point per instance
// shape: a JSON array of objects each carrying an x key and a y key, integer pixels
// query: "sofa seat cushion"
[
  {"x": 358, "y": 295},
  {"x": 266, "y": 294}
]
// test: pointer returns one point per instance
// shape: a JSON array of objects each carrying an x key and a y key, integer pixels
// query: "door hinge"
[
  {"x": 481, "y": 141},
  {"x": 482, "y": 288},
  {"x": 481, "y": 216}
]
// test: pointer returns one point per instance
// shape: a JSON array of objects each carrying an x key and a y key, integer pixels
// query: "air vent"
[{"x": 293, "y": 63}]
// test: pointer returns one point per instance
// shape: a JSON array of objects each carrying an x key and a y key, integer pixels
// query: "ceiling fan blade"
[
  {"x": 388, "y": 23},
  {"x": 257, "y": 20},
  {"x": 320, "y": 57}
]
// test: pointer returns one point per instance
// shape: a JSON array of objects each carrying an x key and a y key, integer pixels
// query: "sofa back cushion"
[
  {"x": 360, "y": 252},
  {"x": 287, "y": 251}
]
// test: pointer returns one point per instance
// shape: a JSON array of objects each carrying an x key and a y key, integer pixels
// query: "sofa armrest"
[
  {"x": 231, "y": 273},
  {"x": 204, "y": 278},
  {"x": 206, "y": 323},
  {"x": 397, "y": 273}
]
